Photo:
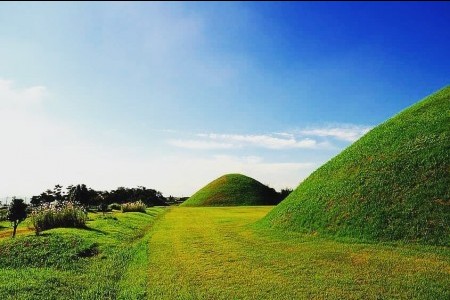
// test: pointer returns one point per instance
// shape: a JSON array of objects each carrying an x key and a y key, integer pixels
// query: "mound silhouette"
[
  {"x": 392, "y": 184},
  {"x": 233, "y": 190}
]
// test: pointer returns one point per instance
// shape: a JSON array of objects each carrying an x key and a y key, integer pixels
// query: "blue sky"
[{"x": 172, "y": 95}]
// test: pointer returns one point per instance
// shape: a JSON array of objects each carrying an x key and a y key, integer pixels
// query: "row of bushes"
[
  {"x": 69, "y": 214},
  {"x": 137, "y": 206},
  {"x": 58, "y": 214}
]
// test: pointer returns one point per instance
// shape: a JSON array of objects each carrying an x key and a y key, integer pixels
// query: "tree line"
[{"x": 88, "y": 197}]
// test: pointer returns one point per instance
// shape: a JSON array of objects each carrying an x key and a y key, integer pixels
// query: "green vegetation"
[
  {"x": 90, "y": 198},
  {"x": 216, "y": 253},
  {"x": 392, "y": 184},
  {"x": 106, "y": 260},
  {"x": 137, "y": 206},
  {"x": 56, "y": 251},
  {"x": 232, "y": 190},
  {"x": 65, "y": 214},
  {"x": 17, "y": 212},
  {"x": 114, "y": 206},
  {"x": 211, "y": 253}
]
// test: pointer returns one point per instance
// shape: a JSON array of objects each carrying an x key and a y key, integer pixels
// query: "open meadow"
[
  {"x": 211, "y": 253},
  {"x": 218, "y": 253},
  {"x": 107, "y": 260}
]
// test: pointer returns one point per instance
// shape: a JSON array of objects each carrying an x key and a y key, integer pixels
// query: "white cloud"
[
  {"x": 199, "y": 145},
  {"x": 264, "y": 140},
  {"x": 228, "y": 141},
  {"x": 346, "y": 132},
  {"x": 11, "y": 97}
]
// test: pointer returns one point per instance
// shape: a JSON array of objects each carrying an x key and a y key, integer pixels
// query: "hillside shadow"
[{"x": 94, "y": 230}]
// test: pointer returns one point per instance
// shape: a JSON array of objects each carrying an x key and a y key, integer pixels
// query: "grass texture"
[
  {"x": 233, "y": 190},
  {"x": 106, "y": 260},
  {"x": 217, "y": 253},
  {"x": 392, "y": 184}
]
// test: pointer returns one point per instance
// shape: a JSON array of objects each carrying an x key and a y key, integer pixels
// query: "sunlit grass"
[
  {"x": 216, "y": 253},
  {"x": 390, "y": 185},
  {"x": 65, "y": 270}
]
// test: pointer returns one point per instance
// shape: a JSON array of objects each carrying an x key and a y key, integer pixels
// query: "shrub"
[
  {"x": 16, "y": 213},
  {"x": 138, "y": 206},
  {"x": 3, "y": 214},
  {"x": 114, "y": 206},
  {"x": 103, "y": 207},
  {"x": 66, "y": 214}
]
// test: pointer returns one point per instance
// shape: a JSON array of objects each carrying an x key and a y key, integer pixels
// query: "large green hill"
[
  {"x": 232, "y": 190},
  {"x": 392, "y": 184}
]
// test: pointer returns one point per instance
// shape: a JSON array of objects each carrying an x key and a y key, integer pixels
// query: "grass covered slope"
[
  {"x": 233, "y": 190},
  {"x": 106, "y": 260},
  {"x": 392, "y": 184}
]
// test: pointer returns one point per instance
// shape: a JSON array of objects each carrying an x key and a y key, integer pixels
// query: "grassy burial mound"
[
  {"x": 392, "y": 184},
  {"x": 233, "y": 190}
]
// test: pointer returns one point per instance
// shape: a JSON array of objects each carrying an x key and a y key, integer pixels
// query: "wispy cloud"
[
  {"x": 345, "y": 132},
  {"x": 228, "y": 141},
  {"x": 199, "y": 144},
  {"x": 308, "y": 138},
  {"x": 12, "y": 97},
  {"x": 263, "y": 140}
]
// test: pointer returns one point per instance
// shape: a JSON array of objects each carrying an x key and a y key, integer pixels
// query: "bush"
[
  {"x": 3, "y": 214},
  {"x": 138, "y": 206},
  {"x": 66, "y": 214},
  {"x": 114, "y": 206}
]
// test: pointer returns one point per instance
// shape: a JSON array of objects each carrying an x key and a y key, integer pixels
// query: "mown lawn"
[
  {"x": 108, "y": 260},
  {"x": 212, "y": 253},
  {"x": 217, "y": 253}
]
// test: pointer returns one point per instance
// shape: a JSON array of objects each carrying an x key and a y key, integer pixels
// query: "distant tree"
[
  {"x": 284, "y": 193},
  {"x": 95, "y": 197},
  {"x": 103, "y": 205},
  {"x": 17, "y": 212},
  {"x": 46, "y": 197},
  {"x": 121, "y": 195},
  {"x": 57, "y": 193},
  {"x": 79, "y": 194},
  {"x": 35, "y": 200}
]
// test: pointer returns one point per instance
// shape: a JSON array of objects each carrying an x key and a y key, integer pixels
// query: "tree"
[
  {"x": 284, "y": 193},
  {"x": 57, "y": 193},
  {"x": 103, "y": 207},
  {"x": 80, "y": 194},
  {"x": 17, "y": 212}
]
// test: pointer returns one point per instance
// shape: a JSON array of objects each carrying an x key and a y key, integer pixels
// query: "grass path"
[{"x": 215, "y": 253}]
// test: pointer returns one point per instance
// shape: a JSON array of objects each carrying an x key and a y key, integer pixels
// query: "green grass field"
[
  {"x": 212, "y": 253},
  {"x": 106, "y": 261},
  {"x": 218, "y": 253}
]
